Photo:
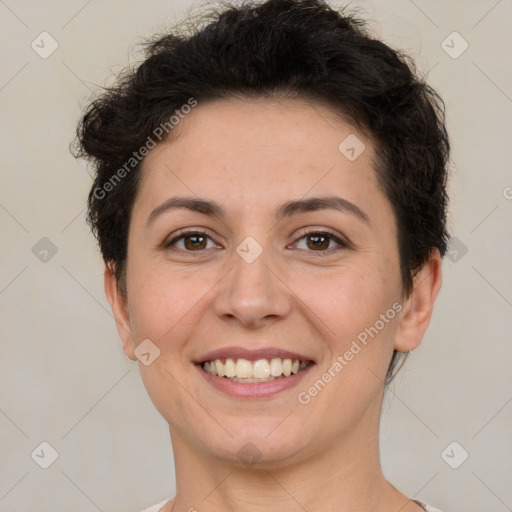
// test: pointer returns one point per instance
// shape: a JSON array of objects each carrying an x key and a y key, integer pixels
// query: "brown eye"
[
  {"x": 318, "y": 241},
  {"x": 193, "y": 241}
]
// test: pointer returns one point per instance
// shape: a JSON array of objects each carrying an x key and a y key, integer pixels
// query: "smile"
[{"x": 261, "y": 378}]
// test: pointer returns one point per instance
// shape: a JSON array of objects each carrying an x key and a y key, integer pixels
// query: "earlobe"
[
  {"x": 418, "y": 307},
  {"x": 119, "y": 307}
]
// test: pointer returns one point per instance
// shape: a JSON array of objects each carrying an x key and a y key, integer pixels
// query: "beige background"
[{"x": 63, "y": 376}]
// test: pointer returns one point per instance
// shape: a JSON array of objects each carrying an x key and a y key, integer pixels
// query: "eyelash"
[{"x": 331, "y": 236}]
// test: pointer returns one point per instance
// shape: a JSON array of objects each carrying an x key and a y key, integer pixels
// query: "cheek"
[
  {"x": 163, "y": 309},
  {"x": 351, "y": 298},
  {"x": 162, "y": 303},
  {"x": 355, "y": 306}
]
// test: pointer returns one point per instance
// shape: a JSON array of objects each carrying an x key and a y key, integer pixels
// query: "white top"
[
  {"x": 427, "y": 508},
  {"x": 155, "y": 508},
  {"x": 158, "y": 506}
]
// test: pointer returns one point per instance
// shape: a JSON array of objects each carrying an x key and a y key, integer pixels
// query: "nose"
[{"x": 253, "y": 293}]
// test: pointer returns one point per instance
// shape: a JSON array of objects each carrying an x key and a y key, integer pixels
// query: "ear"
[
  {"x": 417, "y": 309},
  {"x": 119, "y": 306}
]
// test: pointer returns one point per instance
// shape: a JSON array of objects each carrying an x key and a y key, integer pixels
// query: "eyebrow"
[{"x": 286, "y": 210}]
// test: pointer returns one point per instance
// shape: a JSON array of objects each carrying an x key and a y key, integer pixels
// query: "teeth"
[
  {"x": 221, "y": 369},
  {"x": 243, "y": 370},
  {"x": 260, "y": 369},
  {"x": 230, "y": 367},
  {"x": 276, "y": 368}
]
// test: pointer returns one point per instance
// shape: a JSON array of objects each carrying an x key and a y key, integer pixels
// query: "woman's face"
[{"x": 256, "y": 281}]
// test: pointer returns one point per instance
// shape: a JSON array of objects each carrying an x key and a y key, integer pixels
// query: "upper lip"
[{"x": 251, "y": 355}]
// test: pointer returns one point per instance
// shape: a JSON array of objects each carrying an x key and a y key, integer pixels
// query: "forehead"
[{"x": 261, "y": 144}]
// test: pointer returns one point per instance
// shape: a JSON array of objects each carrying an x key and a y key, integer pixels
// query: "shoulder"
[{"x": 158, "y": 506}]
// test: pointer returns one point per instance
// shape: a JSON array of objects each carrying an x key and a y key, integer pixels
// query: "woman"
[{"x": 270, "y": 204}]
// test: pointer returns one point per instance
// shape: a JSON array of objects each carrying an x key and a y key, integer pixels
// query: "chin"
[{"x": 258, "y": 444}]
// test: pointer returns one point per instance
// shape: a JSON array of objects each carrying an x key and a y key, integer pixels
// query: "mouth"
[{"x": 261, "y": 373}]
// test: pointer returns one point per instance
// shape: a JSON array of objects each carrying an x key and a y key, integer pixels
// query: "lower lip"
[{"x": 254, "y": 389}]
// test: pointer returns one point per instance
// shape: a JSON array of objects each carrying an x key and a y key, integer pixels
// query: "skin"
[{"x": 250, "y": 156}]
